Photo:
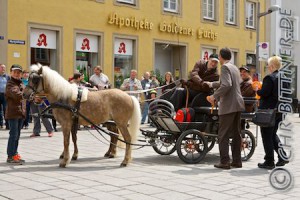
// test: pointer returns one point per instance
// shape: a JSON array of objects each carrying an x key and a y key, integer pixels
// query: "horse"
[{"x": 99, "y": 107}]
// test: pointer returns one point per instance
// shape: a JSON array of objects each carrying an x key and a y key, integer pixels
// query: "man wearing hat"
[
  {"x": 202, "y": 71},
  {"x": 15, "y": 113},
  {"x": 246, "y": 87}
]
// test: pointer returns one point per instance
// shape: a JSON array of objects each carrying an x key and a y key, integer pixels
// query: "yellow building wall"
[{"x": 92, "y": 16}]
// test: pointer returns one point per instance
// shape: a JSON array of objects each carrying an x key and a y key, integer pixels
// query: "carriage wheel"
[
  {"x": 248, "y": 145},
  {"x": 164, "y": 144},
  {"x": 211, "y": 141},
  {"x": 191, "y": 146}
]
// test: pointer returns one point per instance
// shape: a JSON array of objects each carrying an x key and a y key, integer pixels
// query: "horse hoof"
[
  {"x": 123, "y": 165},
  {"x": 74, "y": 158},
  {"x": 62, "y": 165},
  {"x": 106, "y": 155},
  {"x": 61, "y": 157}
]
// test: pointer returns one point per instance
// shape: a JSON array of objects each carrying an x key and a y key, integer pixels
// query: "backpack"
[{"x": 185, "y": 115}]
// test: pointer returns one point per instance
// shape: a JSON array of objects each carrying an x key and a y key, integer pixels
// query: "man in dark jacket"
[
  {"x": 246, "y": 87},
  {"x": 15, "y": 113},
  {"x": 202, "y": 71}
]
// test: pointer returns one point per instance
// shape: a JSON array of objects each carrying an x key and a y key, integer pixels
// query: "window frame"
[
  {"x": 227, "y": 11},
  {"x": 205, "y": 10},
  {"x": 131, "y": 2},
  {"x": 176, "y": 10},
  {"x": 247, "y": 4}
]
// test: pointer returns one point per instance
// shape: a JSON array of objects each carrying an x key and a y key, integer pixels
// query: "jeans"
[
  {"x": 145, "y": 111},
  {"x": 15, "y": 126}
]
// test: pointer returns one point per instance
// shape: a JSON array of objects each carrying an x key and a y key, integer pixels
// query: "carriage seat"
[{"x": 206, "y": 110}]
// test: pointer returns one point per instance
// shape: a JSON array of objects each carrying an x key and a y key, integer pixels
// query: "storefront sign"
[
  {"x": 44, "y": 39},
  {"x": 22, "y": 42},
  {"x": 206, "y": 53},
  {"x": 165, "y": 27},
  {"x": 207, "y": 34},
  {"x": 123, "y": 47},
  {"x": 86, "y": 43},
  {"x": 175, "y": 29},
  {"x": 115, "y": 19},
  {"x": 1, "y": 37}
]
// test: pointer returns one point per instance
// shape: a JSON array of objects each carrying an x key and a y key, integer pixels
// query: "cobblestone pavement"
[{"x": 150, "y": 176}]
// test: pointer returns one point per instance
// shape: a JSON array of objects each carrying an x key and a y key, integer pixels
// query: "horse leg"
[
  {"x": 127, "y": 139},
  {"x": 75, "y": 154},
  {"x": 66, "y": 153},
  {"x": 74, "y": 139},
  {"x": 111, "y": 153}
]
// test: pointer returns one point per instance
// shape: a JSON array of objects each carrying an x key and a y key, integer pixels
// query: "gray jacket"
[{"x": 229, "y": 93}]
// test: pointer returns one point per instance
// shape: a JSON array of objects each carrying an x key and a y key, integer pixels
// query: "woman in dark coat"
[{"x": 269, "y": 100}]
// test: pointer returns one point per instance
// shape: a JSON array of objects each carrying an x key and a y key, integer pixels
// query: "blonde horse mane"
[{"x": 60, "y": 87}]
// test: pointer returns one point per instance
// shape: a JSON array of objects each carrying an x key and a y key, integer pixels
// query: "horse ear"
[{"x": 40, "y": 70}]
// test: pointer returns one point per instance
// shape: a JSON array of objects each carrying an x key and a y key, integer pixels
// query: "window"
[
  {"x": 127, "y": 1},
  {"x": 209, "y": 9},
  {"x": 230, "y": 7},
  {"x": 250, "y": 14},
  {"x": 171, "y": 5}
]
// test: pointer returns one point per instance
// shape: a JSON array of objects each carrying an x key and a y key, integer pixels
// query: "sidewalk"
[{"x": 149, "y": 177}]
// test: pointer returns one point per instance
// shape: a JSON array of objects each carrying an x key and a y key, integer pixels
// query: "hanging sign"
[
  {"x": 86, "y": 43},
  {"x": 44, "y": 39},
  {"x": 123, "y": 47}
]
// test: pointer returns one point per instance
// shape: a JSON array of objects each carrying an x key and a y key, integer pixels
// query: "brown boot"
[{"x": 222, "y": 166}]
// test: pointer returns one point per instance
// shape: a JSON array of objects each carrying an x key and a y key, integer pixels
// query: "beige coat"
[{"x": 229, "y": 93}]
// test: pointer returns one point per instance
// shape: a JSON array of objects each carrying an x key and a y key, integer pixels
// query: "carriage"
[{"x": 191, "y": 140}]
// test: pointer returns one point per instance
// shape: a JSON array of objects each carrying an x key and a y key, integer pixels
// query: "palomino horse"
[{"x": 100, "y": 106}]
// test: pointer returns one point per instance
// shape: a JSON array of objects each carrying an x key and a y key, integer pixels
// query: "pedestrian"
[
  {"x": 99, "y": 79},
  {"x": 15, "y": 113},
  {"x": 25, "y": 77},
  {"x": 146, "y": 84},
  {"x": 203, "y": 71},
  {"x": 36, "y": 109},
  {"x": 3, "y": 81},
  {"x": 132, "y": 84},
  {"x": 230, "y": 107},
  {"x": 269, "y": 100}
]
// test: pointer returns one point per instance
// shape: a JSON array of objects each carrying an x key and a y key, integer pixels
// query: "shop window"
[
  {"x": 123, "y": 60},
  {"x": 40, "y": 55}
]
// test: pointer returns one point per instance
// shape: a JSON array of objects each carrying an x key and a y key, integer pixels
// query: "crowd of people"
[{"x": 225, "y": 87}]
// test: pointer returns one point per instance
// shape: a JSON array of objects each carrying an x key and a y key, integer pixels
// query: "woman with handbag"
[{"x": 269, "y": 100}]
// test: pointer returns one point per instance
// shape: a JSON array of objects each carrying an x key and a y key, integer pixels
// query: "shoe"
[
  {"x": 50, "y": 134},
  {"x": 7, "y": 128},
  {"x": 15, "y": 160},
  {"x": 236, "y": 165},
  {"x": 281, "y": 163},
  {"x": 266, "y": 165},
  {"x": 222, "y": 166},
  {"x": 18, "y": 157},
  {"x": 34, "y": 135}
]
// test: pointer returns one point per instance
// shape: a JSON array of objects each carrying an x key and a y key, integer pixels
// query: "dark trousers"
[
  {"x": 178, "y": 98},
  {"x": 230, "y": 127},
  {"x": 2, "y": 110},
  {"x": 26, "y": 121},
  {"x": 271, "y": 141},
  {"x": 15, "y": 126}
]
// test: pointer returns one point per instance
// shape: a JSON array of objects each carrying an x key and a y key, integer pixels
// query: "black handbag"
[{"x": 264, "y": 117}]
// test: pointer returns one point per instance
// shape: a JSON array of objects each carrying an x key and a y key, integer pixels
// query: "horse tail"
[{"x": 135, "y": 120}]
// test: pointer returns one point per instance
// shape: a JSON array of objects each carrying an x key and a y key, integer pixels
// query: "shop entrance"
[{"x": 172, "y": 58}]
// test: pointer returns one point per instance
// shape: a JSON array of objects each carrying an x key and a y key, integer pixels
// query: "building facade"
[
  {"x": 285, "y": 38},
  {"x": 120, "y": 35}
]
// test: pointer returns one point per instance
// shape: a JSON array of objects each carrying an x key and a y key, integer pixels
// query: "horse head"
[{"x": 35, "y": 83}]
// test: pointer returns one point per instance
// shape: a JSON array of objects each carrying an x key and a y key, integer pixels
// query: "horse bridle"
[{"x": 35, "y": 80}]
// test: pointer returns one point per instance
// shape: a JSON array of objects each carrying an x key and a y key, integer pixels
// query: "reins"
[{"x": 76, "y": 112}]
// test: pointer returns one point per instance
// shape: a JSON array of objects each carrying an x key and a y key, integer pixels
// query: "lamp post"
[{"x": 259, "y": 15}]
